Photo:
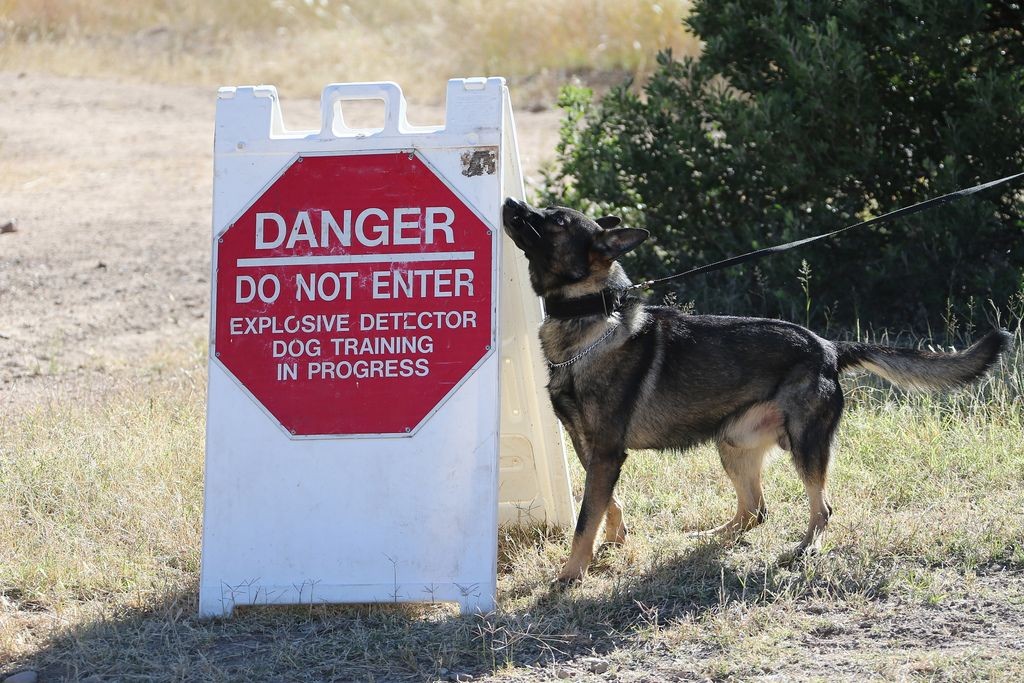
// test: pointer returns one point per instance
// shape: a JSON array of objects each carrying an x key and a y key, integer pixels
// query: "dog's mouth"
[{"x": 517, "y": 218}]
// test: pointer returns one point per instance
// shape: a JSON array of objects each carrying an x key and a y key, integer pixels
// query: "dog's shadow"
[
  {"x": 543, "y": 625},
  {"x": 679, "y": 586},
  {"x": 615, "y": 604}
]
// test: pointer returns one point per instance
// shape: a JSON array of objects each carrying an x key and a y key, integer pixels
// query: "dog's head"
[{"x": 569, "y": 254}]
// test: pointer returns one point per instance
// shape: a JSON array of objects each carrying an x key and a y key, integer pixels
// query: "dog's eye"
[{"x": 560, "y": 220}]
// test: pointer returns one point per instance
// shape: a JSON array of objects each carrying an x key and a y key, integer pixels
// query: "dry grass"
[
  {"x": 301, "y": 45},
  {"x": 922, "y": 578},
  {"x": 100, "y": 493}
]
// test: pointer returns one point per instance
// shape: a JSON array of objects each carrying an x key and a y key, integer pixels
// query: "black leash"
[
  {"x": 885, "y": 218},
  {"x": 608, "y": 301}
]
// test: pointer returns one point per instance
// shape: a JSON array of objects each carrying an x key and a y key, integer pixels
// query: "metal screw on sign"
[
  {"x": 300, "y": 160},
  {"x": 488, "y": 347},
  {"x": 218, "y": 354},
  {"x": 220, "y": 240},
  {"x": 411, "y": 155},
  {"x": 408, "y": 429},
  {"x": 292, "y": 431}
]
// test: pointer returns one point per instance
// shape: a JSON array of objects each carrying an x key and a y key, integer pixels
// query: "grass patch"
[
  {"x": 101, "y": 500},
  {"x": 300, "y": 45},
  {"x": 100, "y": 509}
]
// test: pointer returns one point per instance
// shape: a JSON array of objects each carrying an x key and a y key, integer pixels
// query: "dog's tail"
[{"x": 913, "y": 369}]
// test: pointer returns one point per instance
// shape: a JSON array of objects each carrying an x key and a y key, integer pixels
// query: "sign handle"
[{"x": 333, "y": 122}]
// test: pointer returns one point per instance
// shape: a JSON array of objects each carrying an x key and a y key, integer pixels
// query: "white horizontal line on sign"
[{"x": 355, "y": 258}]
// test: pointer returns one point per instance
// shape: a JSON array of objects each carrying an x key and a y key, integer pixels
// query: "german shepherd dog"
[{"x": 624, "y": 374}]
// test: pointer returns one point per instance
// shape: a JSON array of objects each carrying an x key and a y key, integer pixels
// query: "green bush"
[{"x": 802, "y": 117}]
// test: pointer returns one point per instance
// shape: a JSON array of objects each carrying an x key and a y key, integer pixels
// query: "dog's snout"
[
  {"x": 514, "y": 213},
  {"x": 516, "y": 217},
  {"x": 512, "y": 208}
]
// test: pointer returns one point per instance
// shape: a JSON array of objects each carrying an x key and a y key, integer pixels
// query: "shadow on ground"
[{"x": 547, "y": 626}]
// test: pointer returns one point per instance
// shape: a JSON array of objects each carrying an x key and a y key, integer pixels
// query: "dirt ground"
[
  {"x": 107, "y": 274},
  {"x": 106, "y": 280}
]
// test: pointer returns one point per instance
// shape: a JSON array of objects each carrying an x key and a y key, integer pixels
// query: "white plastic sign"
[{"x": 374, "y": 406}]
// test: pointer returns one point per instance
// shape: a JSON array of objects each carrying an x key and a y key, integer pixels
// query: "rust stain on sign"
[{"x": 482, "y": 161}]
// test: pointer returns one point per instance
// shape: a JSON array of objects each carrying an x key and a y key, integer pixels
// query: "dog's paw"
[
  {"x": 701, "y": 534},
  {"x": 801, "y": 552},
  {"x": 571, "y": 575},
  {"x": 610, "y": 543},
  {"x": 725, "y": 535},
  {"x": 561, "y": 583},
  {"x": 804, "y": 550},
  {"x": 605, "y": 551}
]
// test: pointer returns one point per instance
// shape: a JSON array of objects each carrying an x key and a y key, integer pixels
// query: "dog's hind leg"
[
  {"x": 743, "y": 444},
  {"x": 614, "y": 527},
  {"x": 821, "y": 511},
  {"x": 602, "y": 474},
  {"x": 812, "y": 453},
  {"x": 743, "y": 465}
]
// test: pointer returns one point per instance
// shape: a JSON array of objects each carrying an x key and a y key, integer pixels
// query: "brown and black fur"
[{"x": 664, "y": 379}]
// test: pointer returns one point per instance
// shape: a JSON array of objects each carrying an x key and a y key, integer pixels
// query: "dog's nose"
[
  {"x": 512, "y": 211},
  {"x": 514, "y": 204}
]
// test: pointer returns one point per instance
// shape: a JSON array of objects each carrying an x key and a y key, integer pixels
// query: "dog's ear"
[
  {"x": 611, "y": 244},
  {"x": 608, "y": 222}
]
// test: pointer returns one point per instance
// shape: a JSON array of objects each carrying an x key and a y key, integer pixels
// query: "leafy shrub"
[{"x": 800, "y": 117}]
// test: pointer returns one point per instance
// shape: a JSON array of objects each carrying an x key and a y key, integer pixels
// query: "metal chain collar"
[{"x": 584, "y": 351}]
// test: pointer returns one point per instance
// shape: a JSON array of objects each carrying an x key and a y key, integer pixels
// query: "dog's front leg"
[
  {"x": 614, "y": 526},
  {"x": 602, "y": 474}
]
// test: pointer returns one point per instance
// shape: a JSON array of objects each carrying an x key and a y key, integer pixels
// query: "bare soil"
[{"x": 109, "y": 185}]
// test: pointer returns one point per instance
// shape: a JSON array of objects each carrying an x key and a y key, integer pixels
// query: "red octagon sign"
[{"x": 354, "y": 295}]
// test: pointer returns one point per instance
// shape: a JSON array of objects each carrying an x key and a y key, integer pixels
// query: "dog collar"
[{"x": 605, "y": 302}]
